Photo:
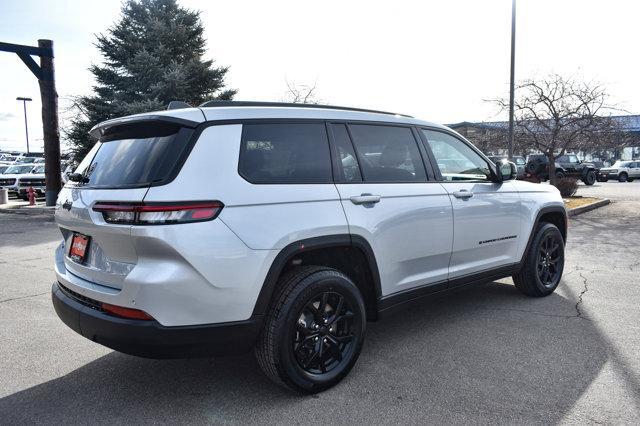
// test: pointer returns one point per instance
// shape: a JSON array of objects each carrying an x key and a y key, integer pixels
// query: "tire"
[
  {"x": 630, "y": 179},
  {"x": 559, "y": 175},
  {"x": 286, "y": 349},
  {"x": 622, "y": 177},
  {"x": 590, "y": 178},
  {"x": 531, "y": 280}
]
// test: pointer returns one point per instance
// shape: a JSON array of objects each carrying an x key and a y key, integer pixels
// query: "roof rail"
[{"x": 211, "y": 104}]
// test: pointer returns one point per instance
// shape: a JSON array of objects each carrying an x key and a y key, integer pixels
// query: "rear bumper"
[{"x": 150, "y": 339}]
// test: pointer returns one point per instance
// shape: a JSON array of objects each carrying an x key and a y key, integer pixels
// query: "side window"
[
  {"x": 348, "y": 162},
  {"x": 387, "y": 153},
  {"x": 456, "y": 160},
  {"x": 285, "y": 153},
  {"x": 573, "y": 159}
]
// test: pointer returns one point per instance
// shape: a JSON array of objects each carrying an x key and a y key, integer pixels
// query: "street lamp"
[
  {"x": 26, "y": 129},
  {"x": 511, "y": 78}
]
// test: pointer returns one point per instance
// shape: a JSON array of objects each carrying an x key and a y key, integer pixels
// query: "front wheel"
[
  {"x": 543, "y": 264},
  {"x": 314, "y": 331},
  {"x": 622, "y": 177},
  {"x": 590, "y": 178}
]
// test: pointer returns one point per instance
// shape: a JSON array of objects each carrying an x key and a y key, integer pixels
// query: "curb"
[
  {"x": 28, "y": 211},
  {"x": 588, "y": 207}
]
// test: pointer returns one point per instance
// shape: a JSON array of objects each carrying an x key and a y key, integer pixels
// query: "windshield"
[
  {"x": 18, "y": 170},
  {"x": 39, "y": 169},
  {"x": 519, "y": 160},
  {"x": 3, "y": 168},
  {"x": 621, "y": 164}
]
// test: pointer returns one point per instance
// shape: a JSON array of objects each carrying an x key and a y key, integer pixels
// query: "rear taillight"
[{"x": 158, "y": 213}]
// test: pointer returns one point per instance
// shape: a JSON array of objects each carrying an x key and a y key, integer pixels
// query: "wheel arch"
[
  {"x": 350, "y": 254},
  {"x": 556, "y": 215}
]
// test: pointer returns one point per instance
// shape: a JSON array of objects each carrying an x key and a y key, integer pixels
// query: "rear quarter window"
[{"x": 285, "y": 153}]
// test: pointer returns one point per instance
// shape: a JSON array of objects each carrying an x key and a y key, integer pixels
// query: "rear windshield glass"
[{"x": 135, "y": 156}]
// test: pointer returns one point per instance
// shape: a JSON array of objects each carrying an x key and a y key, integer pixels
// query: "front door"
[{"x": 486, "y": 214}]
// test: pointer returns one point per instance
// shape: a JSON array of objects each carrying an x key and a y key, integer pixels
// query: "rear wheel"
[
  {"x": 314, "y": 331},
  {"x": 590, "y": 178},
  {"x": 543, "y": 264},
  {"x": 622, "y": 177},
  {"x": 559, "y": 175}
]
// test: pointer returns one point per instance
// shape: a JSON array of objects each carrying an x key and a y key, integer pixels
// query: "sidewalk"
[{"x": 23, "y": 207}]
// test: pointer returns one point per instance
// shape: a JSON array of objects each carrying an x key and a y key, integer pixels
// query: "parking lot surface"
[{"x": 483, "y": 355}]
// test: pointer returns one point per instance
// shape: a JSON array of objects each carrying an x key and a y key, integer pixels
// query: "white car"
[
  {"x": 9, "y": 179},
  {"x": 34, "y": 179},
  {"x": 284, "y": 228},
  {"x": 623, "y": 171}
]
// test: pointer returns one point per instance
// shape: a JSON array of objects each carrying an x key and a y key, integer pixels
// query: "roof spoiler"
[{"x": 99, "y": 129}]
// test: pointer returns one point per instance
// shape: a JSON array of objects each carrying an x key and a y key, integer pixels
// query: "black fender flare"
[
  {"x": 542, "y": 212},
  {"x": 295, "y": 248}
]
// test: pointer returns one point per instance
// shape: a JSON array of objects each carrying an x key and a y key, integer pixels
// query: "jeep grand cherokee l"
[{"x": 284, "y": 229}]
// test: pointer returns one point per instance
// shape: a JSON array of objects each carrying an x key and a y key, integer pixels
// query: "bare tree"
[
  {"x": 559, "y": 114},
  {"x": 301, "y": 93}
]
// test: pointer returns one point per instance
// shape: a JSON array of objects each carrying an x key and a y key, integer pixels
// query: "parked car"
[
  {"x": 7, "y": 159},
  {"x": 285, "y": 228},
  {"x": 9, "y": 179},
  {"x": 623, "y": 171},
  {"x": 518, "y": 160},
  {"x": 34, "y": 179},
  {"x": 566, "y": 166}
]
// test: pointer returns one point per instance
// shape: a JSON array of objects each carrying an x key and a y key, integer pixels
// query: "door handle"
[
  {"x": 463, "y": 193},
  {"x": 365, "y": 199}
]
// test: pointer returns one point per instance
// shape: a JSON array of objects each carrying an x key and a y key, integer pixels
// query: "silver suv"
[{"x": 284, "y": 229}]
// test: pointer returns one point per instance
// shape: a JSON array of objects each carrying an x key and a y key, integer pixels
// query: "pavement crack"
[
  {"x": 585, "y": 288},
  {"x": 23, "y": 297}
]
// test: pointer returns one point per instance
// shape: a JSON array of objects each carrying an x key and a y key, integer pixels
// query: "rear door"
[
  {"x": 120, "y": 168},
  {"x": 486, "y": 215},
  {"x": 389, "y": 201}
]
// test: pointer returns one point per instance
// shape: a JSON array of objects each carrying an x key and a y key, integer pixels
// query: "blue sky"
[{"x": 436, "y": 60}]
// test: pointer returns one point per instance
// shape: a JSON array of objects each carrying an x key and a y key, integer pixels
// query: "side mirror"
[{"x": 507, "y": 170}]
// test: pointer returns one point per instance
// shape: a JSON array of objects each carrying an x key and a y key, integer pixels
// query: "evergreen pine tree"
[{"x": 152, "y": 55}]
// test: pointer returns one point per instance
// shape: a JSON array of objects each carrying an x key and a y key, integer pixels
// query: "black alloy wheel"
[
  {"x": 324, "y": 334},
  {"x": 548, "y": 259},
  {"x": 314, "y": 330},
  {"x": 543, "y": 263}
]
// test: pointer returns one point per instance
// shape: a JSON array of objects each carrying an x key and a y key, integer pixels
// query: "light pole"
[
  {"x": 511, "y": 82},
  {"x": 26, "y": 128}
]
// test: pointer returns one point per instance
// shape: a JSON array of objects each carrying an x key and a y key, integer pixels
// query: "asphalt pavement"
[{"x": 482, "y": 355}]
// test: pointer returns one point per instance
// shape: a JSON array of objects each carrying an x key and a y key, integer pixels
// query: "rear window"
[
  {"x": 136, "y": 155},
  {"x": 285, "y": 153}
]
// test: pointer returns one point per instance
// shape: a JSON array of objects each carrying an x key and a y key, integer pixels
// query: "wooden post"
[{"x": 49, "y": 97}]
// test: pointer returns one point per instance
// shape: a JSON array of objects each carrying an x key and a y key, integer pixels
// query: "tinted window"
[
  {"x": 135, "y": 156},
  {"x": 387, "y": 153},
  {"x": 348, "y": 163},
  {"x": 285, "y": 153},
  {"x": 455, "y": 159}
]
